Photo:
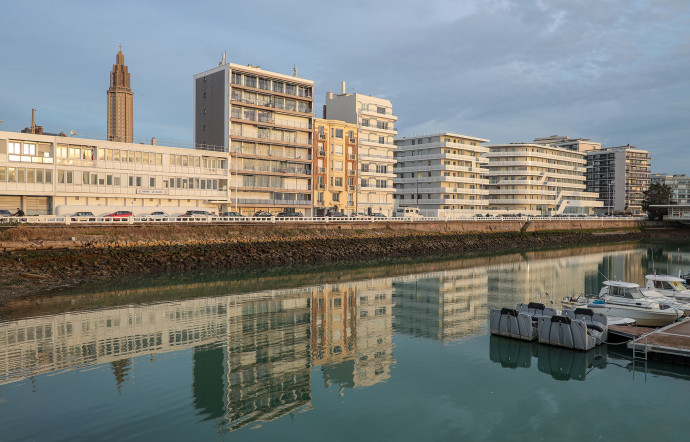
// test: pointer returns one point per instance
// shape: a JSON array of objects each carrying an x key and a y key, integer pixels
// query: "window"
[
  {"x": 382, "y": 140},
  {"x": 338, "y": 182},
  {"x": 29, "y": 149},
  {"x": 15, "y": 148},
  {"x": 152, "y": 182},
  {"x": 336, "y": 197},
  {"x": 338, "y": 133},
  {"x": 381, "y": 168}
]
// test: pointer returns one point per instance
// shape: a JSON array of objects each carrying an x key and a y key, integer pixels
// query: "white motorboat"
[
  {"x": 625, "y": 299},
  {"x": 670, "y": 286}
]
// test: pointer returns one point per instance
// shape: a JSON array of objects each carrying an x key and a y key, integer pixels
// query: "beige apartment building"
[
  {"x": 619, "y": 175},
  {"x": 442, "y": 174},
  {"x": 335, "y": 167},
  {"x": 376, "y": 132},
  {"x": 265, "y": 121},
  {"x": 58, "y": 175},
  {"x": 538, "y": 179}
]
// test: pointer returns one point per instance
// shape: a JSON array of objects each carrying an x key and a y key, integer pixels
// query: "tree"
[{"x": 657, "y": 193}]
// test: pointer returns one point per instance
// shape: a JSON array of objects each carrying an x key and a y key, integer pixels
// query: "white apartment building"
[
  {"x": 442, "y": 174},
  {"x": 538, "y": 179},
  {"x": 376, "y": 126},
  {"x": 619, "y": 175},
  {"x": 679, "y": 184},
  {"x": 265, "y": 121},
  {"x": 48, "y": 174}
]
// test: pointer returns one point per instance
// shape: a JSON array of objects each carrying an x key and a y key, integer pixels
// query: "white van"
[{"x": 407, "y": 212}]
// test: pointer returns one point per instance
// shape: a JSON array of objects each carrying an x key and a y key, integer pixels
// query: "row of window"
[
  {"x": 270, "y": 85},
  {"x": 335, "y": 196},
  {"x": 105, "y": 179},
  {"x": 380, "y": 184},
  {"x": 27, "y": 175},
  {"x": 380, "y": 168},
  {"x": 65, "y": 154}
]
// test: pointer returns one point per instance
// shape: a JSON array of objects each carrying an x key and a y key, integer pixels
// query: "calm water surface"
[{"x": 400, "y": 351}]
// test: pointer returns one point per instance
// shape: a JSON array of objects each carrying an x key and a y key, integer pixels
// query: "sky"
[{"x": 613, "y": 71}]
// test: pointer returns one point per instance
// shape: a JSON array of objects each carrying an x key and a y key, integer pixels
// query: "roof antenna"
[
  {"x": 294, "y": 70},
  {"x": 222, "y": 60}
]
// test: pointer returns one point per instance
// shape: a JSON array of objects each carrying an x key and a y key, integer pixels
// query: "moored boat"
[
  {"x": 626, "y": 300},
  {"x": 666, "y": 285}
]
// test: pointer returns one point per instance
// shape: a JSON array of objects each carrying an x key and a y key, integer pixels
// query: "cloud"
[{"x": 611, "y": 70}]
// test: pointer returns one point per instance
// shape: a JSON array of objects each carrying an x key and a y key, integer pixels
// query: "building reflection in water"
[
  {"x": 254, "y": 354},
  {"x": 445, "y": 305}
]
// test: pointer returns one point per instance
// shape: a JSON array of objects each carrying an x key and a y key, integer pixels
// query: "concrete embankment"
[{"x": 34, "y": 260}]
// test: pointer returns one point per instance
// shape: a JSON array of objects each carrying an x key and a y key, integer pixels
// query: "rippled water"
[{"x": 397, "y": 351}]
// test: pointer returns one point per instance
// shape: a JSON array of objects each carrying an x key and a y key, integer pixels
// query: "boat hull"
[{"x": 642, "y": 317}]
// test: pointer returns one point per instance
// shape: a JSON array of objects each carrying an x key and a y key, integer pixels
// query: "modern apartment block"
[
  {"x": 376, "y": 128},
  {"x": 538, "y": 179},
  {"x": 120, "y": 103},
  {"x": 335, "y": 168},
  {"x": 619, "y": 175},
  {"x": 679, "y": 184},
  {"x": 442, "y": 174},
  {"x": 265, "y": 121},
  {"x": 45, "y": 175}
]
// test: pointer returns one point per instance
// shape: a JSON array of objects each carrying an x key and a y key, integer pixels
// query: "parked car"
[
  {"x": 195, "y": 213},
  {"x": 262, "y": 214},
  {"x": 157, "y": 216},
  {"x": 289, "y": 215},
  {"x": 336, "y": 215},
  {"x": 361, "y": 215},
  {"x": 76, "y": 216},
  {"x": 4, "y": 212},
  {"x": 232, "y": 215},
  {"x": 119, "y": 215},
  {"x": 378, "y": 215}
]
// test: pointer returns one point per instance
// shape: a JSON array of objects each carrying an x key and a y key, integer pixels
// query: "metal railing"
[{"x": 104, "y": 220}]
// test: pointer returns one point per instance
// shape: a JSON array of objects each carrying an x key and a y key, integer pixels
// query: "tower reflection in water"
[{"x": 254, "y": 354}]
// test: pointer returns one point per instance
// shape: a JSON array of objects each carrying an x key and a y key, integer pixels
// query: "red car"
[{"x": 120, "y": 214}]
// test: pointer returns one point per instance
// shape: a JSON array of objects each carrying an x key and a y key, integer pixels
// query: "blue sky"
[{"x": 614, "y": 71}]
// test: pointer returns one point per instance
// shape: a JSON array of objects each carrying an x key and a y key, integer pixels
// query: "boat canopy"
[
  {"x": 621, "y": 284},
  {"x": 664, "y": 278},
  {"x": 620, "y": 289}
]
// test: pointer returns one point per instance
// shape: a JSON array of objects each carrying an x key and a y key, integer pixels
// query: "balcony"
[
  {"x": 322, "y": 170},
  {"x": 372, "y": 113},
  {"x": 269, "y": 104},
  {"x": 283, "y": 138}
]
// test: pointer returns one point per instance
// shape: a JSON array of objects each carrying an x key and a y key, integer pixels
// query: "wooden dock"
[
  {"x": 624, "y": 333},
  {"x": 670, "y": 343}
]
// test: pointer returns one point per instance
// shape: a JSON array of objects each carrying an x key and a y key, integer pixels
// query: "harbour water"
[{"x": 394, "y": 351}]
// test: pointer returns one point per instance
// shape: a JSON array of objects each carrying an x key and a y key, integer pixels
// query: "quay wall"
[{"x": 33, "y": 260}]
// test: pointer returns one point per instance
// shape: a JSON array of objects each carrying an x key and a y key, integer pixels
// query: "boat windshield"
[
  {"x": 626, "y": 292},
  {"x": 677, "y": 285}
]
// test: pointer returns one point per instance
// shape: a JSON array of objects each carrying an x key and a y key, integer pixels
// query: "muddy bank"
[{"x": 33, "y": 266}]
